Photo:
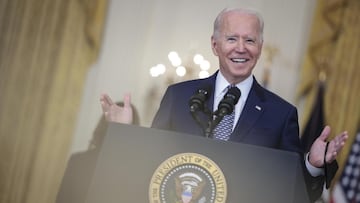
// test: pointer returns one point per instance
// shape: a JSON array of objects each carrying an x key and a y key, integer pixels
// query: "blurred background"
[{"x": 57, "y": 57}]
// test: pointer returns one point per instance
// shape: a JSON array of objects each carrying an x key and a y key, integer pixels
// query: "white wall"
[{"x": 140, "y": 33}]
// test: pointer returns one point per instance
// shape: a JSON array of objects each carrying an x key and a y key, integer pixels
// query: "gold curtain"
[
  {"x": 46, "y": 49},
  {"x": 334, "y": 50}
]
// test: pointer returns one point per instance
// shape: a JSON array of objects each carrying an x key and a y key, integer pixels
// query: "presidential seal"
[{"x": 188, "y": 178}]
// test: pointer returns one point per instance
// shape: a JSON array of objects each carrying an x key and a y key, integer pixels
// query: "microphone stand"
[
  {"x": 205, "y": 126},
  {"x": 226, "y": 105},
  {"x": 212, "y": 123}
]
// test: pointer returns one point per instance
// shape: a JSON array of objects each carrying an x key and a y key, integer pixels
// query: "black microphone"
[
  {"x": 197, "y": 105},
  {"x": 197, "y": 101},
  {"x": 227, "y": 104}
]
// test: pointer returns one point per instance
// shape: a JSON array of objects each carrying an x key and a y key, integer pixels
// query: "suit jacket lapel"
[
  {"x": 211, "y": 81},
  {"x": 253, "y": 109}
]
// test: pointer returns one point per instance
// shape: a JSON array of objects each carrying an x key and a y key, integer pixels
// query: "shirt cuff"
[{"x": 314, "y": 171}]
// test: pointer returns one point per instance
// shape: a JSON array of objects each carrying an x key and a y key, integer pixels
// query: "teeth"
[{"x": 239, "y": 60}]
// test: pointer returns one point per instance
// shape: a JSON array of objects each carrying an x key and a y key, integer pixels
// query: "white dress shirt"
[{"x": 221, "y": 88}]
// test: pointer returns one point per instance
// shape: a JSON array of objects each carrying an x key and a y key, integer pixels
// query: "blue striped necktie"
[{"x": 223, "y": 130}]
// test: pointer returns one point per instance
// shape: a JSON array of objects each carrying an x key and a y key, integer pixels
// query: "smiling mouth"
[{"x": 239, "y": 60}]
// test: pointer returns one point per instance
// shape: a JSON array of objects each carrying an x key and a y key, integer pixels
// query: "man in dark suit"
[
  {"x": 262, "y": 121},
  {"x": 261, "y": 117}
]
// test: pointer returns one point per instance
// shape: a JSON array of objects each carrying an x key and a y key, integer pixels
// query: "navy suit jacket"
[{"x": 266, "y": 120}]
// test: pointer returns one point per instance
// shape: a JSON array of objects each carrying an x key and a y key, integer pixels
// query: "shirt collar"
[{"x": 244, "y": 86}]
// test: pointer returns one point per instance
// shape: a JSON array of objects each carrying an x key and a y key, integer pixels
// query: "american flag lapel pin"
[{"x": 258, "y": 108}]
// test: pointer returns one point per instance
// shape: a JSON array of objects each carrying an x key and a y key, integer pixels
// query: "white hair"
[{"x": 218, "y": 20}]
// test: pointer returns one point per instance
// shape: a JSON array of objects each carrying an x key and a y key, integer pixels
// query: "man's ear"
[
  {"x": 261, "y": 48},
  {"x": 213, "y": 45}
]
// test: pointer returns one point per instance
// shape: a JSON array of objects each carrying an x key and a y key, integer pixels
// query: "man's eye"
[
  {"x": 231, "y": 39},
  {"x": 250, "y": 40}
]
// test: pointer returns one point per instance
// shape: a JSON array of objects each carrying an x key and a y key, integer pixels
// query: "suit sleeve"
[{"x": 314, "y": 185}]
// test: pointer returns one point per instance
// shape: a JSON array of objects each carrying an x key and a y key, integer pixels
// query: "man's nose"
[{"x": 240, "y": 47}]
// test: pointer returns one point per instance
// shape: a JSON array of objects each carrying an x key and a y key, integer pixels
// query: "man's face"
[{"x": 238, "y": 45}]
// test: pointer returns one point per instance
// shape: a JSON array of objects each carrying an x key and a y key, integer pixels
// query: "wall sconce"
[
  {"x": 270, "y": 51},
  {"x": 174, "y": 70},
  {"x": 199, "y": 68}
]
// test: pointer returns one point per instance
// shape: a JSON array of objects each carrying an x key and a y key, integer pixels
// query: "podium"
[{"x": 138, "y": 164}]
